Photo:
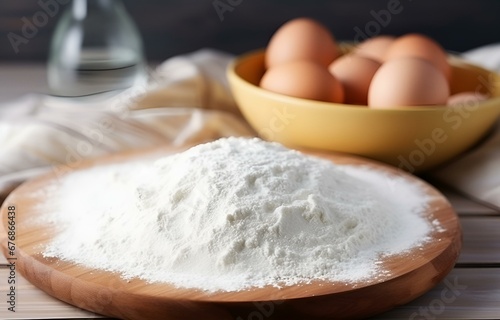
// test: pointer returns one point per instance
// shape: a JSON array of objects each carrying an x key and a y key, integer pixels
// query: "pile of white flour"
[{"x": 233, "y": 214}]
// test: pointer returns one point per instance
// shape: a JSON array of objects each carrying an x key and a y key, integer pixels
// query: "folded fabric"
[
  {"x": 187, "y": 100},
  {"x": 477, "y": 173}
]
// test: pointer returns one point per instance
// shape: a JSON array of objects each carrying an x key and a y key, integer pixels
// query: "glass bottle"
[{"x": 96, "y": 48}]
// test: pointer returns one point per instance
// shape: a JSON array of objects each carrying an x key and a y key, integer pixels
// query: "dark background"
[{"x": 171, "y": 27}]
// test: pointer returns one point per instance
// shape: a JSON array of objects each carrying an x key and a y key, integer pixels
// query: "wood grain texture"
[
  {"x": 465, "y": 294},
  {"x": 464, "y": 206},
  {"x": 480, "y": 300},
  {"x": 481, "y": 240},
  {"x": 32, "y": 303},
  {"x": 106, "y": 293}
]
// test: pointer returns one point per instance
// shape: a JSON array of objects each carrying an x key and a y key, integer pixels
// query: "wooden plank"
[
  {"x": 481, "y": 240},
  {"x": 465, "y": 294},
  {"x": 32, "y": 303},
  {"x": 464, "y": 206}
]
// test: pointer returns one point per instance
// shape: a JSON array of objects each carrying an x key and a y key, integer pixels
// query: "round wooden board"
[{"x": 106, "y": 293}]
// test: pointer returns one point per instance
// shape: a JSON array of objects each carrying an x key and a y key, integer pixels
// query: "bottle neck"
[{"x": 83, "y": 8}]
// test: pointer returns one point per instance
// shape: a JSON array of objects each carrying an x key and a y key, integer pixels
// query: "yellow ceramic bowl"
[{"x": 412, "y": 138}]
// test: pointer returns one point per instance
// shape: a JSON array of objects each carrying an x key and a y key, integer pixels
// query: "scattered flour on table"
[{"x": 233, "y": 214}]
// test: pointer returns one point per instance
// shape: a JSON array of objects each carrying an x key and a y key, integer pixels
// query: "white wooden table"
[{"x": 474, "y": 282}]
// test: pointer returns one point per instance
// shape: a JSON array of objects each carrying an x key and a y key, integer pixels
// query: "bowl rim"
[{"x": 232, "y": 74}]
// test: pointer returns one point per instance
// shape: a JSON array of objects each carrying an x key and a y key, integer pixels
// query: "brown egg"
[
  {"x": 355, "y": 73},
  {"x": 301, "y": 39},
  {"x": 375, "y": 48},
  {"x": 466, "y": 99},
  {"x": 303, "y": 79},
  {"x": 420, "y": 46},
  {"x": 408, "y": 82}
]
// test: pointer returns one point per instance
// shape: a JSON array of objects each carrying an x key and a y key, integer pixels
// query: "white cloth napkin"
[
  {"x": 477, "y": 173},
  {"x": 187, "y": 100}
]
